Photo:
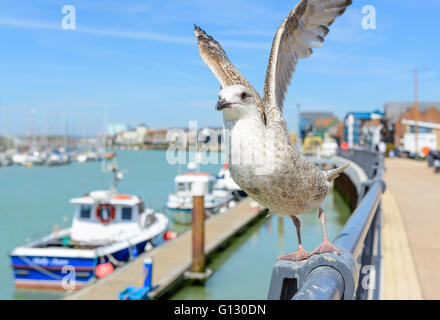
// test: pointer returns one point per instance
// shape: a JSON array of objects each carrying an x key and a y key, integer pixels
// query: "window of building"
[{"x": 421, "y": 130}]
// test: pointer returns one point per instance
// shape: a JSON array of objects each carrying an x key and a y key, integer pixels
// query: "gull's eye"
[{"x": 244, "y": 95}]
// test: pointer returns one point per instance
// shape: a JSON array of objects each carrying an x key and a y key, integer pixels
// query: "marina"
[
  {"x": 94, "y": 178},
  {"x": 108, "y": 229},
  {"x": 184, "y": 151}
]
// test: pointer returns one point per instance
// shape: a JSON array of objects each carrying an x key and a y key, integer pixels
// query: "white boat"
[
  {"x": 180, "y": 203},
  {"x": 57, "y": 158},
  {"x": 108, "y": 229},
  {"x": 225, "y": 182},
  {"x": 82, "y": 157},
  {"x": 19, "y": 158},
  {"x": 37, "y": 157}
]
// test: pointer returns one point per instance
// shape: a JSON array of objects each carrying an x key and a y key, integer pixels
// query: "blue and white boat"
[
  {"x": 224, "y": 181},
  {"x": 108, "y": 229},
  {"x": 180, "y": 203}
]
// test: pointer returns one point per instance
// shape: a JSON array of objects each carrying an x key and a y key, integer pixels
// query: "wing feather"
[
  {"x": 216, "y": 59},
  {"x": 303, "y": 29}
]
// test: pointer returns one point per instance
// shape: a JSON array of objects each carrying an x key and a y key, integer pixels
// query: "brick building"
[{"x": 423, "y": 124}]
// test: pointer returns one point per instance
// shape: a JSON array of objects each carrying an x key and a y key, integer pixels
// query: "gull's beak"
[{"x": 222, "y": 104}]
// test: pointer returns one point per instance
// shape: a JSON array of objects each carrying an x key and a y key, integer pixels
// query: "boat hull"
[
  {"x": 75, "y": 268},
  {"x": 184, "y": 215}
]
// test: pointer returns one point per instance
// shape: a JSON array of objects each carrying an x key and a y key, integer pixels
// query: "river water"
[{"x": 34, "y": 200}]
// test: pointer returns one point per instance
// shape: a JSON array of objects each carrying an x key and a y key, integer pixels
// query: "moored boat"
[
  {"x": 180, "y": 203},
  {"x": 108, "y": 229}
]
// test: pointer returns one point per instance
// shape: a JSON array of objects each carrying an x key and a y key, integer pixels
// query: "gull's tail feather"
[{"x": 334, "y": 173}]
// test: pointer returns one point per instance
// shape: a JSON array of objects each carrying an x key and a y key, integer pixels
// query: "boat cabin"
[
  {"x": 101, "y": 216},
  {"x": 184, "y": 182}
]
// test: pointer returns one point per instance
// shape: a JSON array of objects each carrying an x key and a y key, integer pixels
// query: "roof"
[
  {"x": 106, "y": 197},
  {"x": 194, "y": 176},
  {"x": 366, "y": 115},
  {"x": 394, "y": 109},
  {"x": 313, "y": 116}
]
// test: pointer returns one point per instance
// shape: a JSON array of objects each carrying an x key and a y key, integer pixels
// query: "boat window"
[
  {"x": 181, "y": 186},
  {"x": 85, "y": 212},
  {"x": 210, "y": 186},
  {"x": 126, "y": 213}
]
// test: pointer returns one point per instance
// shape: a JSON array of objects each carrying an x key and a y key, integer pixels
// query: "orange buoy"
[
  {"x": 104, "y": 269},
  {"x": 169, "y": 235}
]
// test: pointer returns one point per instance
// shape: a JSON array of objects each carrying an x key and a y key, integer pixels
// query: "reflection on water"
[
  {"x": 280, "y": 232},
  {"x": 243, "y": 270}
]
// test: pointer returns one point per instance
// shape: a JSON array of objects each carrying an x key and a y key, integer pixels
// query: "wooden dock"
[
  {"x": 172, "y": 259},
  {"x": 411, "y": 228}
]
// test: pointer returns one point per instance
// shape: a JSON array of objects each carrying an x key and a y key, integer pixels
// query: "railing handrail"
[{"x": 355, "y": 230}]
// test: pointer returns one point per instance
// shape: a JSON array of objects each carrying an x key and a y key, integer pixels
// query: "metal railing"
[{"x": 355, "y": 273}]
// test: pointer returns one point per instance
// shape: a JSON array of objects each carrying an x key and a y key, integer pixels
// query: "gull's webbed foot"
[{"x": 299, "y": 255}]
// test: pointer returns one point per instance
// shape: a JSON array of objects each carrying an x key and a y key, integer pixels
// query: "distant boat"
[
  {"x": 19, "y": 158},
  {"x": 108, "y": 229},
  {"x": 180, "y": 203},
  {"x": 36, "y": 157},
  {"x": 225, "y": 182},
  {"x": 57, "y": 158},
  {"x": 82, "y": 157}
]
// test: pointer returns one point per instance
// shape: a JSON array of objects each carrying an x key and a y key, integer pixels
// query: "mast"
[{"x": 416, "y": 129}]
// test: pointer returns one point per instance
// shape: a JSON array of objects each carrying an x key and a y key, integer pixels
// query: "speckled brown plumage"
[{"x": 279, "y": 176}]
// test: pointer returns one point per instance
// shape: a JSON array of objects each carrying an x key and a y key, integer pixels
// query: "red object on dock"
[
  {"x": 104, "y": 269},
  {"x": 169, "y": 235},
  {"x": 344, "y": 146}
]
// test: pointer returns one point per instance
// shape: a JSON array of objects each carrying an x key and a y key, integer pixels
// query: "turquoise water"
[{"x": 34, "y": 200}]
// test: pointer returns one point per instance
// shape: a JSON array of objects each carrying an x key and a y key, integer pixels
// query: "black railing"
[{"x": 355, "y": 273}]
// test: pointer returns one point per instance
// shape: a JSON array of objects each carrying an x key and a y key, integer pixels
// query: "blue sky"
[{"x": 137, "y": 61}]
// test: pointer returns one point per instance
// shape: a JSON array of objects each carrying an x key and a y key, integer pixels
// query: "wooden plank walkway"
[
  {"x": 411, "y": 228},
  {"x": 173, "y": 258}
]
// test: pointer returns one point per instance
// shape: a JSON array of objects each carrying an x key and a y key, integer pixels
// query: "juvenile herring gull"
[{"x": 261, "y": 159}]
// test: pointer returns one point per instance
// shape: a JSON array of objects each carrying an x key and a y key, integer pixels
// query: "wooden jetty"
[{"x": 172, "y": 259}]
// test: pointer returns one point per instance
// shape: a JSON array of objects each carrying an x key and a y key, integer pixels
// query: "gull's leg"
[
  {"x": 325, "y": 246},
  {"x": 300, "y": 254}
]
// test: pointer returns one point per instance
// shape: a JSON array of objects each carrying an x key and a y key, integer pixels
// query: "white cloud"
[{"x": 138, "y": 35}]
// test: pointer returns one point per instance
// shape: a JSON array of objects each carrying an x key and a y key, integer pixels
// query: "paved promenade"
[{"x": 411, "y": 231}]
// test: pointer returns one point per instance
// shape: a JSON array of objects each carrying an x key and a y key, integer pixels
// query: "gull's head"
[{"x": 236, "y": 102}]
